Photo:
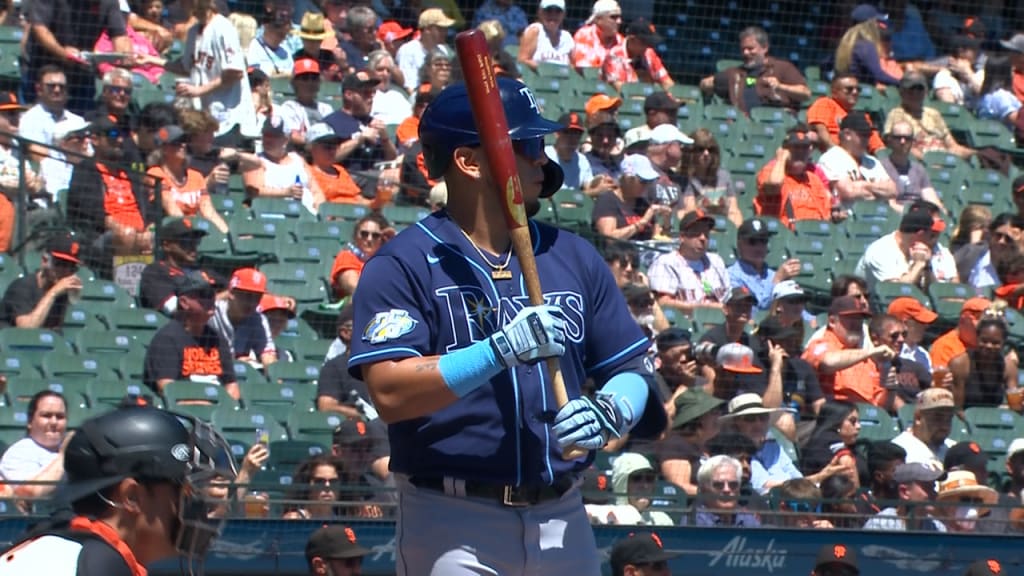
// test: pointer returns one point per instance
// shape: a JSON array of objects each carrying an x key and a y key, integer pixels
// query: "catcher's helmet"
[{"x": 447, "y": 124}]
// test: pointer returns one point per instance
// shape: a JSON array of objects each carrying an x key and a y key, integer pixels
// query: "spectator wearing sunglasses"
[
  {"x": 769, "y": 466},
  {"x": 641, "y": 555},
  {"x": 902, "y": 377},
  {"x": 916, "y": 487},
  {"x": 799, "y": 505},
  {"x": 316, "y": 483},
  {"x": 41, "y": 299},
  {"x": 633, "y": 482},
  {"x": 750, "y": 270},
  {"x": 962, "y": 500},
  {"x": 622, "y": 261},
  {"x": 370, "y": 234},
  {"x": 183, "y": 190},
  {"x": 179, "y": 245},
  {"x": 107, "y": 204},
  {"x": 72, "y": 139},
  {"x": 39, "y": 122},
  {"x": 910, "y": 176},
  {"x": 827, "y": 112},
  {"x": 718, "y": 492},
  {"x": 930, "y": 130},
  {"x": 836, "y": 560}
]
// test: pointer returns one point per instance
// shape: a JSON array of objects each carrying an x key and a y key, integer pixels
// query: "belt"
[{"x": 504, "y": 494}]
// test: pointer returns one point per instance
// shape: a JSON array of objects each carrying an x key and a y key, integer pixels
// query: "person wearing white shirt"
[
  {"x": 927, "y": 439},
  {"x": 71, "y": 136},
  {"x": 37, "y": 457},
  {"x": 852, "y": 173},
  {"x": 1004, "y": 233},
  {"x": 272, "y": 48},
  {"x": 38, "y": 122},
  {"x": 911, "y": 254},
  {"x": 433, "y": 27},
  {"x": 304, "y": 111},
  {"x": 218, "y": 83},
  {"x": 565, "y": 152},
  {"x": 391, "y": 103},
  {"x": 916, "y": 487}
]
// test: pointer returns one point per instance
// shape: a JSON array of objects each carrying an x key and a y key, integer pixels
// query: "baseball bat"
[{"x": 489, "y": 117}]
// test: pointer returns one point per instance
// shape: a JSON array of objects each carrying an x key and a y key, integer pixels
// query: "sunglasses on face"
[
  {"x": 903, "y": 138},
  {"x": 656, "y": 566},
  {"x": 119, "y": 90},
  {"x": 757, "y": 241},
  {"x": 531, "y": 148},
  {"x": 916, "y": 88},
  {"x": 708, "y": 149},
  {"x": 627, "y": 263},
  {"x": 54, "y": 86},
  {"x": 696, "y": 232},
  {"x": 898, "y": 334},
  {"x": 970, "y": 500},
  {"x": 733, "y": 485},
  {"x": 800, "y": 507},
  {"x": 615, "y": 16},
  {"x": 323, "y": 481},
  {"x": 851, "y": 89},
  {"x": 367, "y": 235},
  {"x": 113, "y": 133}
]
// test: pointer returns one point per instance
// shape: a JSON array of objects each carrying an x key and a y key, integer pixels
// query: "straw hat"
[
  {"x": 959, "y": 483},
  {"x": 313, "y": 28}
]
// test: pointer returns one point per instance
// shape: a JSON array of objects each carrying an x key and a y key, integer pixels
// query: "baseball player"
[{"x": 450, "y": 349}]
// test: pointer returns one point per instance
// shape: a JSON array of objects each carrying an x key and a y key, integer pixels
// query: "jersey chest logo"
[{"x": 388, "y": 325}]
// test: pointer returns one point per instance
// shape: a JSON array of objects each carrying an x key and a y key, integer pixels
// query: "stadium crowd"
[{"x": 831, "y": 289}]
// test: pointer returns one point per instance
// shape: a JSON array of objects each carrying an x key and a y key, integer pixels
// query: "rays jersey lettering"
[{"x": 472, "y": 315}]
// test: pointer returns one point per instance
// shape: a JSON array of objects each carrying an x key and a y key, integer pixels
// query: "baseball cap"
[
  {"x": 390, "y": 31},
  {"x": 248, "y": 279},
  {"x": 747, "y": 404},
  {"x": 858, "y": 122},
  {"x": 640, "y": 166},
  {"x": 545, "y": 4},
  {"x": 639, "y": 549},
  {"x": 1016, "y": 446},
  {"x": 9, "y": 101},
  {"x": 64, "y": 247},
  {"x": 597, "y": 487},
  {"x": 754, "y": 228},
  {"x": 865, "y": 12},
  {"x": 361, "y": 79},
  {"x": 661, "y": 101},
  {"x": 798, "y": 136},
  {"x": 788, "y": 289},
  {"x": 1014, "y": 44},
  {"x": 334, "y": 542},
  {"x": 70, "y": 126},
  {"x": 907, "y": 308},
  {"x": 989, "y": 567},
  {"x": 643, "y": 29},
  {"x": 934, "y": 399},
  {"x": 434, "y": 17},
  {"x": 849, "y": 306},
  {"x": 668, "y": 133},
  {"x": 735, "y": 357},
  {"x": 772, "y": 329},
  {"x": 739, "y": 294},
  {"x": 175, "y": 229},
  {"x": 601, "y": 103},
  {"x": 196, "y": 283},
  {"x": 306, "y": 66},
  {"x": 603, "y": 7},
  {"x": 572, "y": 122},
  {"x": 274, "y": 302},
  {"x": 695, "y": 217},
  {"x": 355, "y": 431},
  {"x": 836, "y": 554},
  {"x": 273, "y": 125},
  {"x": 320, "y": 132},
  {"x": 975, "y": 305},
  {"x": 916, "y": 472},
  {"x": 637, "y": 135},
  {"x": 1018, "y": 185},
  {"x": 672, "y": 337},
  {"x": 103, "y": 124},
  {"x": 965, "y": 455},
  {"x": 911, "y": 80},
  {"x": 171, "y": 134}
]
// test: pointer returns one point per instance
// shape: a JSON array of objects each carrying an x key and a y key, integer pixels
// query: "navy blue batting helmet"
[{"x": 447, "y": 124}]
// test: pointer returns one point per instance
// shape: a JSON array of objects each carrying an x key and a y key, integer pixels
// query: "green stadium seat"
[
  {"x": 687, "y": 93},
  {"x": 286, "y": 455},
  {"x": 110, "y": 393},
  {"x": 337, "y": 231},
  {"x": 294, "y": 273},
  {"x": 277, "y": 400},
  {"x": 308, "y": 294},
  {"x": 197, "y": 398},
  {"x": 109, "y": 344},
  {"x": 330, "y": 211},
  {"x": 32, "y": 344},
  {"x": 246, "y": 425},
  {"x": 131, "y": 366},
  {"x": 864, "y": 231},
  {"x": 404, "y": 215},
  {"x": 314, "y": 426},
  {"x": 985, "y": 133},
  {"x": 307, "y": 350},
  {"x": 948, "y": 298},
  {"x": 13, "y": 421},
  {"x": 104, "y": 292},
  {"x": 705, "y": 318},
  {"x": 264, "y": 208},
  {"x": 232, "y": 203},
  {"x": 309, "y": 251},
  {"x": 638, "y": 90},
  {"x": 136, "y": 322},
  {"x": 876, "y": 424},
  {"x": 246, "y": 373},
  {"x": 886, "y": 292},
  {"x": 62, "y": 365},
  {"x": 772, "y": 115},
  {"x": 984, "y": 418},
  {"x": 294, "y": 373},
  {"x": 244, "y": 231},
  {"x": 21, "y": 390},
  {"x": 871, "y": 210},
  {"x": 815, "y": 228},
  {"x": 722, "y": 112},
  {"x": 79, "y": 318},
  {"x": 786, "y": 444}
]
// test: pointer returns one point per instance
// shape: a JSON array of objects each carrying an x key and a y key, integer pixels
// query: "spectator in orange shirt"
[
  {"x": 787, "y": 187},
  {"x": 333, "y": 179},
  {"x": 846, "y": 369},
  {"x": 963, "y": 337},
  {"x": 598, "y": 36},
  {"x": 634, "y": 59},
  {"x": 183, "y": 190},
  {"x": 370, "y": 234},
  {"x": 1011, "y": 275},
  {"x": 827, "y": 112},
  {"x": 107, "y": 204}
]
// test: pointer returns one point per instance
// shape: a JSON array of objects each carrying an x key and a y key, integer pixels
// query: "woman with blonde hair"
[
  {"x": 860, "y": 53},
  {"x": 546, "y": 40},
  {"x": 710, "y": 187},
  {"x": 246, "y": 26}
]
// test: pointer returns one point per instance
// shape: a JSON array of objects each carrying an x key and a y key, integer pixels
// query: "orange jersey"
[
  {"x": 804, "y": 198},
  {"x": 345, "y": 260},
  {"x": 858, "y": 383},
  {"x": 947, "y": 347},
  {"x": 827, "y": 112},
  {"x": 187, "y": 196},
  {"x": 589, "y": 50},
  {"x": 337, "y": 187},
  {"x": 119, "y": 199}
]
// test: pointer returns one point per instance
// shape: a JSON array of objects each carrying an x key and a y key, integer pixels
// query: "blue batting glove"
[
  {"x": 588, "y": 423},
  {"x": 535, "y": 333}
]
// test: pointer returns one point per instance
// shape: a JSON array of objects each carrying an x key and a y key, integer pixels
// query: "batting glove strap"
[
  {"x": 533, "y": 334},
  {"x": 609, "y": 415}
]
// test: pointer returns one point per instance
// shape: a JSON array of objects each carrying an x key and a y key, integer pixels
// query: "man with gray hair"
[
  {"x": 718, "y": 492},
  {"x": 912, "y": 182},
  {"x": 362, "y": 25},
  {"x": 761, "y": 80},
  {"x": 391, "y": 102}
]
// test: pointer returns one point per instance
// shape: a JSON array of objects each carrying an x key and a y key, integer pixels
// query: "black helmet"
[{"x": 151, "y": 444}]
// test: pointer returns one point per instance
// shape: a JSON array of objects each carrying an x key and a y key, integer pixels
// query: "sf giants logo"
[
  {"x": 529, "y": 95},
  {"x": 472, "y": 316}
]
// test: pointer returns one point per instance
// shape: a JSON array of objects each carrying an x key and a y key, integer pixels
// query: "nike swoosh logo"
[{"x": 432, "y": 259}]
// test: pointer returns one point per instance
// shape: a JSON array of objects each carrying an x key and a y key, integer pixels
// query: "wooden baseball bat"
[{"x": 491, "y": 124}]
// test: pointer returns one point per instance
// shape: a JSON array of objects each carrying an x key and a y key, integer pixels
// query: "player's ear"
[
  {"x": 469, "y": 161},
  {"x": 319, "y": 565}
]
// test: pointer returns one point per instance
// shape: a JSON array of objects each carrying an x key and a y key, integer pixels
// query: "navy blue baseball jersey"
[{"x": 428, "y": 293}]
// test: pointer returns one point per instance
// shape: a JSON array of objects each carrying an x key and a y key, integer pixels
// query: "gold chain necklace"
[{"x": 498, "y": 271}]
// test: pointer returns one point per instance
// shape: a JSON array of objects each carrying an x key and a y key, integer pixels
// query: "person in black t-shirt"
[
  {"x": 179, "y": 243},
  {"x": 338, "y": 391},
  {"x": 186, "y": 348},
  {"x": 738, "y": 305},
  {"x": 801, "y": 390},
  {"x": 40, "y": 300},
  {"x": 625, "y": 213}
]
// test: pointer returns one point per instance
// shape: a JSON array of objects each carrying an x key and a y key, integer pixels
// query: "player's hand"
[
  {"x": 534, "y": 334},
  {"x": 588, "y": 423}
]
